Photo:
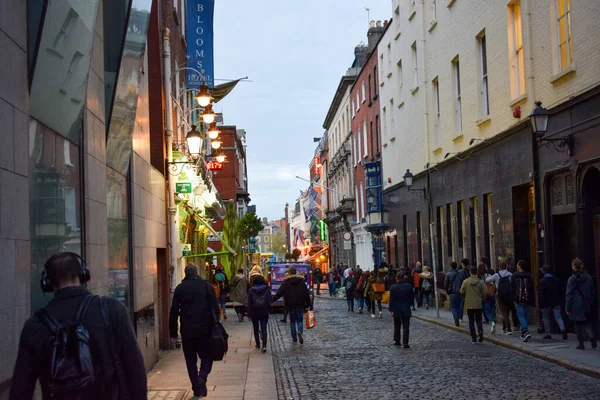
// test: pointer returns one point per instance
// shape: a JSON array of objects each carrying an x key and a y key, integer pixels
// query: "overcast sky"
[{"x": 295, "y": 52}]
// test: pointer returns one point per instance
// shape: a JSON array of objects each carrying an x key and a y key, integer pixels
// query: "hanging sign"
[
  {"x": 214, "y": 166},
  {"x": 200, "y": 46},
  {"x": 187, "y": 250},
  {"x": 183, "y": 187}
]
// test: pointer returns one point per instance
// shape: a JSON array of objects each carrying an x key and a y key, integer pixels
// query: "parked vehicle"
[{"x": 277, "y": 276}]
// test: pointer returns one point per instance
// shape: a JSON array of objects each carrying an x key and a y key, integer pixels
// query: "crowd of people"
[{"x": 477, "y": 290}]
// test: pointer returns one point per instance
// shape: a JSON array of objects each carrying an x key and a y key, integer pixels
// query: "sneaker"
[
  {"x": 257, "y": 346},
  {"x": 473, "y": 341},
  {"x": 581, "y": 346},
  {"x": 406, "y": 346},
  {"x": 481, "y": 337},
  {"x": 380, "y": 315},
  {"x": 526, "y": 337},
  {"x": 460, "y": 321},
  {"x": 493, "y": 329},
  {"x": 240, "y": 318},
  {"x": 294, "y": 342},
  {"x": 508, "y": 332},
  {"x": 456, "y": 322},
  {"x": 372, "y": 315},
  {"x": 264, "y": 350},
  {"x": 547, "y": 337},
  {"x": 348, "y": 308},
  {"x": 517, "y": 328},
  {"x": 202, "y": 389},
  {"x": 300, "y": 338},
  {"x": 396, "y": 343},
  {"x": 564, "y": 334}
]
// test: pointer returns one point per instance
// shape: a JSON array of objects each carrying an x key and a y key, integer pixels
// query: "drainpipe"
[{"x": 173, "y": 240}]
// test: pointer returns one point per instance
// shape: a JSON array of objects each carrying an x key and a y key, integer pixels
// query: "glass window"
[
  {"x": 485, "y": 101},
  {"x": 118, "y": 236},
  {"x": 565, "y": 45},
  {"x": 415, "y": 63},
  {"x": 55, "y": 202},
  {"x": 517, "y": 58},
  {"x": 436, "y": 104},
  {"x": 457, "y": 94}
]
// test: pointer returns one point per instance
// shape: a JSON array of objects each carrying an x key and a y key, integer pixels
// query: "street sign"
[
  {"x": 183, "y": 187},
  {"x": 347, "y": 236},
  {"x": 187, "y": 250},
  {"x": 214, "y": 166}
]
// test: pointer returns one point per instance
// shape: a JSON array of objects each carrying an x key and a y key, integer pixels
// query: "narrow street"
[{"x": 351, "y": 356}]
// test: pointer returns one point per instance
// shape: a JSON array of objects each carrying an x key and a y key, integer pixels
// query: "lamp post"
[
  {"x": 539, "y": 125},
  {"x": 408, "y": 181}
]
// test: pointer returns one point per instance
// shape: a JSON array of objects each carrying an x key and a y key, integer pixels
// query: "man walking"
[
  {"x": 549, "y": 300},
  {"x": 416, "y": 276},
  {"x": 502, "y": 280},
  {"x": 473, "y": 290},
  {"x": 318, "y": 279},
  {"x": 453, "y": 283},
  {"x": 108, "y": 325},
  {"x": 402, "y": 298},
  {"x": 332, "y": 282},
  {"x": 580, "y": 303},
  {"x": 195, "y": 305},
  {"x": 297, "y": 301},
  {"x": 523, "y": 296}
]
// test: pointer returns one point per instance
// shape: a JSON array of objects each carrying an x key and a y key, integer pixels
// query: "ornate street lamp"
[
  {"x": 208, "y": 116},
  {"x": 408, "y": 181},
  {"x": 194, "y": 142},
  {"x": 539, "y": 125},
  {"x": 220, "y": 156},
  {"x": 215, "y": 144},
  {"x": 204, "y": 98},
  {"x": 213, "y": 132}
]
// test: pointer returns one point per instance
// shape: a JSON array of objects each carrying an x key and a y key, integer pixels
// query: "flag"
[{"x": 220, "y": 91}]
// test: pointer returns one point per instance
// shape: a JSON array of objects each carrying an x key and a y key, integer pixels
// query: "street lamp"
[
  {"x": 220, "y": 156},
  {"x": 408, "y": 181},
  {"x": 215, "y": 144},
  {"x": 370, "y": 200},
  {"x": 194, "y": 142},
  {"x": 208, "y": 116},
  {"x": 213, "y": 132},
  {"x": 204, "y": 98},
  {"x": 539, "y": 125}
]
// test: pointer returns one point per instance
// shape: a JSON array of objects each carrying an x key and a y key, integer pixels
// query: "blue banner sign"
[{"x": 200, "y": 46}]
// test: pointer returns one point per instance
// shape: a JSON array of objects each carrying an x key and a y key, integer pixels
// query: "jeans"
[
  {"x": 475, "y": 315},
  {"x": 522, "y": 313},
  {"x": 318, "y": 287},
  {"x": 350, "y": 301},
  {"x": 360, "y": 302},
  {"x": 426, "y": 299},
  {"x": 332, "y": 289},
  {"x": 262, "y": 322},
  {"x": 222, "y": 301},
  {"x": 296, "y": 323},
  {"x": 403, "y": 322},
  {"x": 456, "y": 306},
  {"x": 194, "y": 348},
  {"x": 489, "y": 308},
  {"x": 507, "y": 306},
  {"x": 546, "y": 312}
]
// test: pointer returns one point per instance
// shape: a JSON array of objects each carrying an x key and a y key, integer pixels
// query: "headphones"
[{"x": 84, "y": 273}]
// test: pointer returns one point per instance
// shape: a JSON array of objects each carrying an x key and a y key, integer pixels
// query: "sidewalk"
[
  {"x": 557, "y": 351},
  {"x": 244, "y": 374}
]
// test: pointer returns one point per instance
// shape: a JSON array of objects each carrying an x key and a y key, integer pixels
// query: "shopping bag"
[
  {"x": 378, "y": 287},
  {"x": 311, "y": 319},
  {"x": 385, "y": 298}
]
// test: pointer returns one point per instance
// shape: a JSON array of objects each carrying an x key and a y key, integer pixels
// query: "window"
[
  {"x": 474, "y": 225},
  {"x": 357, "y": 100},
  {"x": 375, "y": 80},
  {"x": 488, "y": 236},
  {"x": 439, "y": 233},
  {"x": 515, "y": 45},
  {"x": 372, "y": 133},
  {"x": 357, "y": 203},
  {"x": 415, "y": 63},
  {"x": 370, "y": 90},
  {"x": 400, "y": 81},
  {"x": 460, "y": 225},
  {"x": 436, "y": 104},
  {"x": 266, "y": 239},
  {"x": 365, "y": 149},
  {"x": 485, "y": 101},
  {"x": 359, "y": 143},
  {"x": 353, "y": 109},
  {"x": 457, "y": 95},
  {"x": 449, "y": 231},
  {"x": 382, "y": 74},
  {"x": 182, "y": 19},
  {"x": 354, "y": 149},
  {"x": 376, "y": 149},
  {"x": 405, "y": 240},
  {"x": 362, "y": 201},
  {"x": 419, "y": 238},
  {"x": 433, "y": 10},
  {"x": 384, "y": 122},
  {"x": 364, "y": 92},
  {"x": 565, "y": 45}
]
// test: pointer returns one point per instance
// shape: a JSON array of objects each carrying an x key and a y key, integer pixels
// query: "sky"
[{"x": 295, "y": 53}]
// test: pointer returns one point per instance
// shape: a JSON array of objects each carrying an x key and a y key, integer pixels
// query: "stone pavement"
[{"x": 245, "y": 373}]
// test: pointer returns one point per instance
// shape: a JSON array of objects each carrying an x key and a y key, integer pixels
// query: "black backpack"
[
  {"x": 503, "y": 286},
  {"x": 71, "y": 370}
]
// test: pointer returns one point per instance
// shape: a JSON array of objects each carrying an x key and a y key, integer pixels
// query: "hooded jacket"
[
  {"x": 193, "y": 301},
  {"x": 473, "y": 290},
  {"x": 549, "y": 294},
  {"x": 522, "y": 288},
  {"x": 294, "y": 292},
  {"x": 369, "y": 292},
  {"x": 580, "y": 296}
]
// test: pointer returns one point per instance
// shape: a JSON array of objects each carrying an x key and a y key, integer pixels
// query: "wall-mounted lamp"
[
  {"x": 539, "y": 124},
  {"x": 408, "y": 181}
]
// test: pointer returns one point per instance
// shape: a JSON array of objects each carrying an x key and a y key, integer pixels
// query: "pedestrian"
[
  {"x": 375, "y": 297},
  {"x": 222, "y": 285},
  {"x": 580, "y": 303},
  {"x": 523, "y": 296},
  {"x": 106, "y": 322},
  {"x": 359, "y": 290},
  {"x": 318, "y": 279},
  {"x": 297, "y": 300},
  {"x": 463, "y": 274},
  {"x": 452, "y": 284},
  {"x": 349, "y": 286},
  {"x": 195, "y": 305},
  {"x": 426, "y": 285},
  {"x": 347, "y": 271},
  {"x": 331, "y": 278},
  {"x": 389, "y": 278},
  {"x": 285, "y": 310},
  {"x": 489, "y": 299},
  {"x": 239, "y": 294},
  {"x": 502, "y": 280},
  {"x": 549, "y": 301},
  {"x": 473, "y": 290},
  {"x": 401, "y": 298},
  {"x": 416, "y": 275},
  {"x": 368, "y": 302},
  {"x": 259, "y": 306}
]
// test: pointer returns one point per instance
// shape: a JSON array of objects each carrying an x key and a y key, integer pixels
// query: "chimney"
[{"x": 374, "y": 33}]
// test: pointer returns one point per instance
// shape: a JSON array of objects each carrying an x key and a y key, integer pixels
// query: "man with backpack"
[
  {"x": 259, "y": 306},
  {"x": 502, "y": 280},
  {"x": 79, "y": 346},
  {"x": 523, "y": 296},
  {"x": 195, "y": 305},
  {"x": 452, "y": 284}
]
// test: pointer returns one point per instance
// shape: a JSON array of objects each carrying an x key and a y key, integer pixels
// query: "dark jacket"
[
  {"x": 549, "y": 294},
  {"x": 359, "y": 291},
  {"x": 522, "y": 288},
  {"x": 32, "y": 346},
  {"x": 294, "y": 292},
  {"x": 193, "y": 301},
  {"x": 257, "y": 280},
  {"x": 452, "y": 282},
  {"x": 317, "y": 276},
  {"x": 580, "y": 296},
  {"x": 402, "y": 298},
  {"x": 259, "y": 289}
]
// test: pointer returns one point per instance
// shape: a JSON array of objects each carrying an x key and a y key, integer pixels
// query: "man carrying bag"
[{"x": 195, "y": 304}]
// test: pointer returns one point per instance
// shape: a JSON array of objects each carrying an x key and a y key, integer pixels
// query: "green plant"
[
  {"x": 249, "y": 226},
  {"x": 296, "y": 254}
]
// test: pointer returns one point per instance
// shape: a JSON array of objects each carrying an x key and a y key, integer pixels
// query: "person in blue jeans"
[
  {"x": 296, "y": 298},
  {"x": 452, "y": 284},
  {"x": 349, "y": 286},
  {"x": 523, "y": 296},
  {"x": 259, "y": 306}
]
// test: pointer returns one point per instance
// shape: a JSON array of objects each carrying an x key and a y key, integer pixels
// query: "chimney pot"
[
  {"x": 379, "y": 24},
  {"x": 372, "y": 24}
]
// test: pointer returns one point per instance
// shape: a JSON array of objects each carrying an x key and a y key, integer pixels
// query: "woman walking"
[
  {"x": 580, "y": 301},
  {"x": 368, "y": 302},
  {"x": 427, "y": 285},
  {"x": 349, "y": 286},
  {"x": 239, "y": 294},
  {"x": 374, "y": 282},
  {"x": 359, "y": 290},
  {"x": 489, "y": 298},
  {"x": 259, "y": 306}
]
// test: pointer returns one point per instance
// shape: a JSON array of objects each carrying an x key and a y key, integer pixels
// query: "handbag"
[
  {"x": 385, "y": 298},
  {"x": 378, "y": 287},
  {"x": 311, "y": 319},
  {"x": 218, "y": 341}
]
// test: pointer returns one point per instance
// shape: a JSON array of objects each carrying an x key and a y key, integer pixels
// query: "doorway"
[
  {"x": 164, "y": 298},
  {"x": 590, "y": 222},
  {"x": 524, "y": 225}
]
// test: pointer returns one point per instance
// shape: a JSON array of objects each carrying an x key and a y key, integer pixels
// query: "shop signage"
[
  {"x": 187, "y": 250},
  {"x": 200, "y": 46},
  {"x": 214, "y": 166},
  {"x": 183, "y": 187}
]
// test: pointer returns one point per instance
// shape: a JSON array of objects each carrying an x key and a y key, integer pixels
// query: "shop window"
[{"x": 562, "y": 194}]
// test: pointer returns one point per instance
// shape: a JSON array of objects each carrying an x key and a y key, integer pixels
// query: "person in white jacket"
[{"x": 506, "y": 305}]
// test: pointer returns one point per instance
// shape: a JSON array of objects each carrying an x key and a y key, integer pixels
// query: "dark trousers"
[
  {"x": 194, "y": 348},
  {"x": 581, "y": 327},
  {"x": 378, "y": 305},
  {"x": 240, "y": 310},
  {"x": 419, "y": 296},
  {"x": 260, "y": 322},
  {"x": 403, "y": 322},
  {"x": 285, "y": 313},
  {"x": 370, "y": 305},
  {"x": 318, "y": 287},
  {"x": 332, "y": 289},
  {"x": 475, "y": 315},
  {"x": 350, "y": 300},
  {"x": 507, "y": 306}
]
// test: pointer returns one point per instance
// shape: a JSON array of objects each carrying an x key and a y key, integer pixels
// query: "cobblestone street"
[{"x": 351, "y": 356}]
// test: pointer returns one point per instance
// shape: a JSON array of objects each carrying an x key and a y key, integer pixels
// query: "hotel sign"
[{"x": 200, "y": 43}]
